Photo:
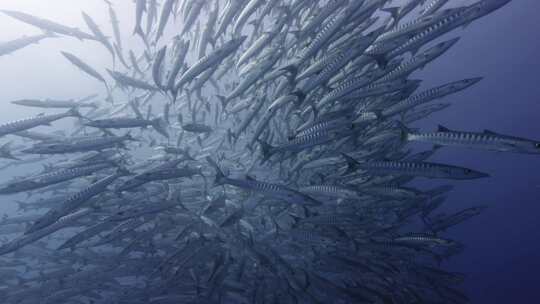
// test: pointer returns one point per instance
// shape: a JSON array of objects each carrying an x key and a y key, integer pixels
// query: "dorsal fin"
[{"x": 441, "y": 128}]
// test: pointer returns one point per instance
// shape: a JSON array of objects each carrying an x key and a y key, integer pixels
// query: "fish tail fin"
[
  {"x": 380, "y": 59},
  {"x": 378, "y": 115},
  {"x": 301, "y": 96},
  {"x": 138, "y": 31},
  {"x": 6, "y": 151},
  {"x": 220, "y": 176},
  {"x": 74, "y": 112},
  {"x": 128, "y": 136},
  {"x": 267, "y": 150},
  {"x": 352, "y": 164},
  {"x": 174, "y": 93},
  {"x": 224, "y": 101},
  {"x": 393, "y": 11},
  {"x": 160, "y": 125},
  {"x": 122, "y": 171},
  {"x": 292, "y": 69}
]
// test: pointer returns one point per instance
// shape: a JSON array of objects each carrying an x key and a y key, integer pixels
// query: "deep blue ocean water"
[{"x": 502, "y": 255}]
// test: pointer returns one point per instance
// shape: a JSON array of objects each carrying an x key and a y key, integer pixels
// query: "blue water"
[{"x": 502, "y": 255}]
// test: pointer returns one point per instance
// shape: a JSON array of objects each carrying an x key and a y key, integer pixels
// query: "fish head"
[
  {"x": 524, "y": 146},
  {"x": 463, "y": 84}
]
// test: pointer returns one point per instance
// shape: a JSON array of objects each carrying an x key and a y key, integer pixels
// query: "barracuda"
[{"x": 28, "y": 123}]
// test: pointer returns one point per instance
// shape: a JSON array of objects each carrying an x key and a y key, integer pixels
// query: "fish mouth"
[{"x": 480, "y": 175}]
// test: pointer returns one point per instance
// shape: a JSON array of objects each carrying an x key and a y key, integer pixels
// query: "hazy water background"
[{"x": 502, "y": 256}]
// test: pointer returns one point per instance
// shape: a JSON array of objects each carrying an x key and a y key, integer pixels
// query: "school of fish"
[{"x": 254, "y": 151}]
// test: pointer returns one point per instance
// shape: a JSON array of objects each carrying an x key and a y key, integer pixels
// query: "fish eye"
[
  {"x": 468, "y": 171},
  {"x": 537, "y": 145}
]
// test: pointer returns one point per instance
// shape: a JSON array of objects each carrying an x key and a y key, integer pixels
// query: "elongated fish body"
[
  {"x": 200, "y": 81},
  {"x": 94, "y": 28},
  {"x": 246, "y": 12},
  {"x": 121, "y": 123},
  {"x": 309, "y": 140},
  {"x": 422, "y": 239},
  {"x": 330, "y": 191},
  {"x": 460, "y": 17},
  {"x": 377, "y": 88},
  {"x": 429, "y": 95},
  {"x": 432, "y": 7},
  {"x": 414, "y": 26},
  {"x": 262, "y": 68},
  {"x": 323, "y": 36},
  {"x": 80, "y": 145},
  {"x": 456, "y": 218},
  {"x": 197, "y": 128},
  {"x": 256, "y": 47},
  {"x": 48, "y": 25},
  {"x": 273, "y": 190},
  {"x": 336, "y": 64},
  {"x": 487, "y": 140},
  {"x": 157, "y": 74},
  {"x": 116, "y": 28},
  {"x": 425, "y": 169},
  {"x": 139, "y": 12},
  {"x": 324, "y": 126},
  {"x": 419, "y": 60},
  {"x": 28, "y": 123},
  {"x": 317, "y": 66},
  {"x": 166, "y": 12},
  {"x": 51, "y": 178},
  {"x": 83, "y": 66},
  {"x": 256, "y": 108},
  {"x": 399, "y": 12},
  {"x": 17, "y": 44},
  {"x": 207, "y": 36},
  {"x": 209, "y": 60},
  {"x": 232, "y": 8},
  {"x": 151, "y": 17},
  {"x": 345, "y": 88},
  {"x": 127, "y": 81},
  {"x": 330, "y": 7},
  {"x": 423, "y": 112},
  {"x": 194, "y": 13},
  {"x": 53, "y": 104},
  {"x": 37, "y": 136},
  {"x": 27, "y": 239},
  {"x": 74, "y": 202},
  {"x": 180, "y": 56},
  {"x": 158, "y": 175},
  {"x": 87, "y": 234}
]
